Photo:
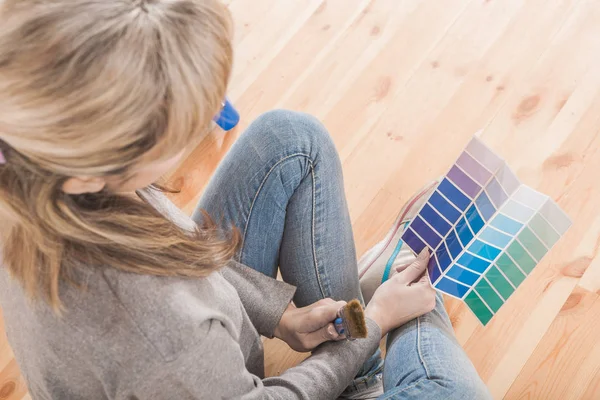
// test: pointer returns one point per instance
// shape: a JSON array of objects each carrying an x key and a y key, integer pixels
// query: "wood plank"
[
  {"x": 301, "y": 55},
  {"x": 248, "y": 16},
  {"x": 542, "y": 295},
  {"x": 362, "y": 102},
  {"x": 278, "y": 357},
  {"x": 12, "y": 384},
  {"x": 488, "y": 83},
  {"x": 193, "y": 174},
  {"x": 555, "y": 278},
  {"x": 400, "y": 129},
  {"x": 593, "y": 389},
  {"x": 6, "y": 354},
  {"x": 260, "y": 46},
  {"x": 349, "y": 55},
  {"x": 564, "y": 363}
]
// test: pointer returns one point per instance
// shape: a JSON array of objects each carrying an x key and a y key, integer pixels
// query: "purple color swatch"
[
  {"x": 461, "y": 180},
  {"x": 485, "y": 156},
  {"x": 473, "y": 168}
]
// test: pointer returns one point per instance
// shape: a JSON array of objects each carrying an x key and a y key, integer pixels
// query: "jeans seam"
[
  {"x": 394, "y": 393},
  {"x": 314, "y": 217},
  {"x": 313, "y": 233},
  {"x": 420, "y": 350},
  {"x": 258, "y": 191}
]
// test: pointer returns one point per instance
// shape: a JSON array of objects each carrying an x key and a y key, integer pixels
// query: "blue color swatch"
[
  {"x": 473, "y": 262},
  {"x": 464, "y": 232},
  {"x": 444, "y": 207},
  {"x": 453, "y": 244},
  {"x": 443, "y": 257},
  {"x": 475, "y": 220},
  {"x": 485, "y": 206},
  {"x": 453, "y": 194},
  {"x": 484, "y": 250},
  {"x": 506, "y": 224},
  {"x": 452, "y": 287},
  {"x": 462, "y": 275},
  {"x": 495, "y": 237}
]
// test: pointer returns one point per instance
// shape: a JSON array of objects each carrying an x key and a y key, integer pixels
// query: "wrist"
[
  {"x": 374, "y": 313},
  {"x": 280, "y": 329}
]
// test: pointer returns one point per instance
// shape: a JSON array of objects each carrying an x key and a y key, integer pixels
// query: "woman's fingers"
[
  {"x": 402, "y": 267},
  {"x": 415, "y": 270},
  {"x": 324, "y": 302},
  {"x": 322, "y": 314},
  {"x": 325, "y": 334}
]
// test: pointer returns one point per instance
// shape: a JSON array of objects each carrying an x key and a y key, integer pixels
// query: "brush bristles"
[{"x": 354, "y": 317}]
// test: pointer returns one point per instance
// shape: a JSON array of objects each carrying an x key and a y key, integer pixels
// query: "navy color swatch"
[
  {"x": 435, "y": 220},
  {"x": 428, "y": 234},
  {"x": 413, "y": 241},
  {"x": 434, "y": 270}
]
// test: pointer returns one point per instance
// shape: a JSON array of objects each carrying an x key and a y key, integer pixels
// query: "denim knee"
[
  {"x": 297, "y": 131},
  {"x": 464, "y": 387}
]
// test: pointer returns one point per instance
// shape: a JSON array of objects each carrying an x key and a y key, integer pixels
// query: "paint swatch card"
[{"x": 485, "y": 230}]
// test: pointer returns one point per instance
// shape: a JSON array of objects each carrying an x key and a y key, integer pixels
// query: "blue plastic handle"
[{"x": 228, "y": 118}]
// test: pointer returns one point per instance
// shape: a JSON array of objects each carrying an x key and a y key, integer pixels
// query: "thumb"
[
  {"x": 423, "y": 280},
  {"x": 415, "y": 270}
]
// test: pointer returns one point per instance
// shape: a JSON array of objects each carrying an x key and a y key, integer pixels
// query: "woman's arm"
[
  {"x": 264, "y": 299},
  {"x": 215, "y": 369}
]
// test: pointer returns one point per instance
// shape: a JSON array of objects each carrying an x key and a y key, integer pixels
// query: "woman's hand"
[
  {"x": 407, "y": 295},
  {"x": 305, "y": 328}
]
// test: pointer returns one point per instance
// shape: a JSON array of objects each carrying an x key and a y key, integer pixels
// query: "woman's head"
[
  {"x": 96, "y": 98},
  {"x": 100, "y": 88}
]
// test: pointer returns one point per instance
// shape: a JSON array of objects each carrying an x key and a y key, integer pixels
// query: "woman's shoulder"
[
  {"x": 172, "y": 312},
  {"x": 128, "y": 316}
]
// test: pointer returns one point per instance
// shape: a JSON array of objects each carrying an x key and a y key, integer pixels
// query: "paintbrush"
[{"x": 351, "y": 321}]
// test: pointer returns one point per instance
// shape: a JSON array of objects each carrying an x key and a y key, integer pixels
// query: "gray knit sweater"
[{"x": 132, "y": 337}]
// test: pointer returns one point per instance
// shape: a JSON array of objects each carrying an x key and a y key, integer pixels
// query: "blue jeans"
[{"x": 281, "y": 185}]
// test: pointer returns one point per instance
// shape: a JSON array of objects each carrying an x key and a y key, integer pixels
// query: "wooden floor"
[{"x": 402, "y": 85}]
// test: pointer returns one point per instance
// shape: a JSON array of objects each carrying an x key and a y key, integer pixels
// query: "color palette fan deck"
[{"x": 485, "y": 230}]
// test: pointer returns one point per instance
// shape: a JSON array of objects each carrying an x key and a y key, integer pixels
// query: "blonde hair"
[{"x": 87, "y": 88}]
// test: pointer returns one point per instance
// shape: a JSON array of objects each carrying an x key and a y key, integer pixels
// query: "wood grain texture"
[{"x": 402, "y": 86}]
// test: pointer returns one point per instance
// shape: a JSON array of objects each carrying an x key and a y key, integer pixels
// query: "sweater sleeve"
[
  {"x": 215, "y": 369},
  {"x": 264, "y": 298}
]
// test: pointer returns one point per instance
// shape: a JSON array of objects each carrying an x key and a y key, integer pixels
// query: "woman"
[{"x": 110, "y": 292}]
